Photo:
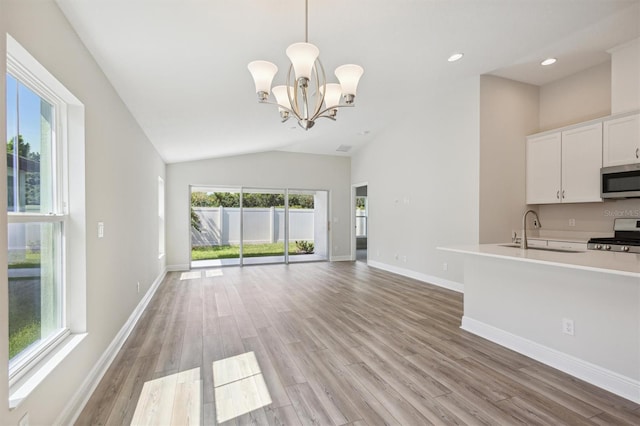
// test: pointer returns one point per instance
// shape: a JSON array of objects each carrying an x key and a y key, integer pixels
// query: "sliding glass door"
[
  {"x": 263, "y": 226},
  {"x": 245, "y": 226},
  {"x": 215, "y": 226}
]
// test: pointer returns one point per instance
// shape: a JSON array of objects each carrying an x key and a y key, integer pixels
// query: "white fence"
[{"x": 221, "y": 225}]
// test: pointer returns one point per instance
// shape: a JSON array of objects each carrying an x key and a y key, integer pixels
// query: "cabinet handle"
[
  {"x": 563, "y": 194},
  {"x": 558, "y": 194},
  {"x": 637, "y": 152}
]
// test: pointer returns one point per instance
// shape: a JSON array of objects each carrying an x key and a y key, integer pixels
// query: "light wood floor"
[{"x": 328, "y": 343}]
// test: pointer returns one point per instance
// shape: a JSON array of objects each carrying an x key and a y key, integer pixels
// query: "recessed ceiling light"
[
  {"x": 548, "y": 61},
  {"x": 455, "y": 57}
]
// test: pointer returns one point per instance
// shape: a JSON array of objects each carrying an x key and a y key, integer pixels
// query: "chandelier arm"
[
  {"x": 305, "y": 102},
  {"x": 326, "y": 116},
  {"x": 293, "y": 101},
  {"x": 280, "y": 106},
  {"x": 322, "y": 93},
  {"x": 326, "y": 110}
]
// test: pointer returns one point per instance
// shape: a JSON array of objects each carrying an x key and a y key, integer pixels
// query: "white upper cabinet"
[
  {"x": 581, "y": 163},
  {"x": 564, "y": 167},
  {"x": 544, "y": 168},
  {"x": 621, "y": 141}
]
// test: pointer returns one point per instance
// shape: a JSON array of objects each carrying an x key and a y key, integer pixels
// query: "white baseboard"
[
  {"x": 429, "y": 279},
  {"x": 611, "y": 381},
  {"x": 174, "y": 268},
  {"x": 341, "y": 258},
  {"x": 76, "y": 404}
]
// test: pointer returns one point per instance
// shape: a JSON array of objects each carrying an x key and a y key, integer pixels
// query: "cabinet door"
[
  {"x": 581, "y": 163},
  {"x": 621, "y": 141},
  {"x": 543, "y": 169}
]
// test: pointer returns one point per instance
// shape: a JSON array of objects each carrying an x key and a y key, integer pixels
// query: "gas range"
[{"x": 626, "y": 237}]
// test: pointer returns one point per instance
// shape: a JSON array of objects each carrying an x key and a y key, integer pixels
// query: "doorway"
[
  {"x": 246, "y": 226},
  {"x": 361, "y": 222}
]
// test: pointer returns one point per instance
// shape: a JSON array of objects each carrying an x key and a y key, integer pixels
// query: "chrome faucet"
[{"x": 523, "y": 241}]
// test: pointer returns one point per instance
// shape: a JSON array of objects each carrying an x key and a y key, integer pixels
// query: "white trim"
[
  {"x": 611, "y": 381},
  {"x": 21, "y": 391},
  {"x": 177, "y": 268},
  {"x": 429, "y": 279},
  {"x": 76, "y": 404}
]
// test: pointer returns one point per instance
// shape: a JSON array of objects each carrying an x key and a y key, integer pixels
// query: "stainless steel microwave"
[{"x": 620, "y": 181}]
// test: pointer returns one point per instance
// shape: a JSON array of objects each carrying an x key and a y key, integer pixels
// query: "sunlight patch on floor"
[
  {"x": 175, "y": 399},
  {"x": 213, "y": 273},
  {"x": 191, "y": 275},
  {"x": 239, "y": 386}
]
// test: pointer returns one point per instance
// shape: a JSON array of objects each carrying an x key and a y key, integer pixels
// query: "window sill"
[{"x": 39, "y": 372}]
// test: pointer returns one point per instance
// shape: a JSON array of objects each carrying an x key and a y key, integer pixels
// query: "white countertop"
[{"x": 627, "y": 264}]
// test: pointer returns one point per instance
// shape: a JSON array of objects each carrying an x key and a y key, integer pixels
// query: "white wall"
[
  {"x": 264, "y": 170},
  {"x": 422, "y": 176},
  {"x": 508, "y": 113},
  {"x": 122, "y": 170},
  {"x": 576, "y": 98},
  {"x": 625, "y": 80}
]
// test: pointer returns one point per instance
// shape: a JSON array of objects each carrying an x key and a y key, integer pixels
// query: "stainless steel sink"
[{"x": 557, "y": 250}]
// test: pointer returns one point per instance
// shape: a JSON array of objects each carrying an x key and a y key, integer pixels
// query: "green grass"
[
  {"x": 249, "y": 250},
  {"x": 22, "y": 338},
  {"x": 32, "y": 260}
]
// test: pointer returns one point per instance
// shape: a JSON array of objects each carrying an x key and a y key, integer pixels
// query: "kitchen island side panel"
[{"x": 530, "y": 300}]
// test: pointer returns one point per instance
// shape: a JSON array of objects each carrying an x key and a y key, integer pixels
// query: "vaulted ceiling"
[{"x": 181, "y": 65}]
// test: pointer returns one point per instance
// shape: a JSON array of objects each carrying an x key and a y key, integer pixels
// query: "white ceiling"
[{"x": 181, "y": 65}]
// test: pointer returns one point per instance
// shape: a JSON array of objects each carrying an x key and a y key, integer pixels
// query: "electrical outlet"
[
  {"x": 567, "y": 326},
  {"x": 100, "y": 229},
  {"x": 404, "y": 259},
  {"x": 24, "y": 421},
  {"x": 535, "y": 223},
  {"x": 445, "y": 266},
  {"x": 572, "y": 222}
]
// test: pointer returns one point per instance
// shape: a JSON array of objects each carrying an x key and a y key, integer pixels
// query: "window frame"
[
  {"x": 162, "y": 245},
  {"x": 23, "y": 362}
]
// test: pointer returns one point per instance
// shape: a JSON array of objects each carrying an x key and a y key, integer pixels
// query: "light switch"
[{"x": 100, "y": 229}]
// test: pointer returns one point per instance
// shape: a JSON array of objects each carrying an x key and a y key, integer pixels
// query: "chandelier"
[{"x": 306, "y": 95}]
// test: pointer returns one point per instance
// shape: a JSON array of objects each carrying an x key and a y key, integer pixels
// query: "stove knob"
[
  {"x": 598, "y": 247},
  {"x": 607, "y": 247},
  {"x": 624, "y": 248}
]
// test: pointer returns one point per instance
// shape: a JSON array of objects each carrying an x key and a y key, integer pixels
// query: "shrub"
[
  {"x": 23, "y": 338},
  {"x": 305, "y": 247}
]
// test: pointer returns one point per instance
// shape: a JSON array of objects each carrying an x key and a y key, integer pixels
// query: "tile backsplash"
[{"x": 591, "y": 219}]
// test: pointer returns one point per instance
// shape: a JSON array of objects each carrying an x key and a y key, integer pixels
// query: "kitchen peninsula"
[{"x": 578, "y": 311}]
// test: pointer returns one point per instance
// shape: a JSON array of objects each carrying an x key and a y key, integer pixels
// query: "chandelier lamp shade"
[{"x": 306, "y": 95}]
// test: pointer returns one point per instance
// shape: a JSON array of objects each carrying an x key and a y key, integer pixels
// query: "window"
[
  {"x": 160, "y": 217},
  {"x": 46, "y": 220},
  {"x": 361, "y": 216},
  {"x": 36, "y": 219}
]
